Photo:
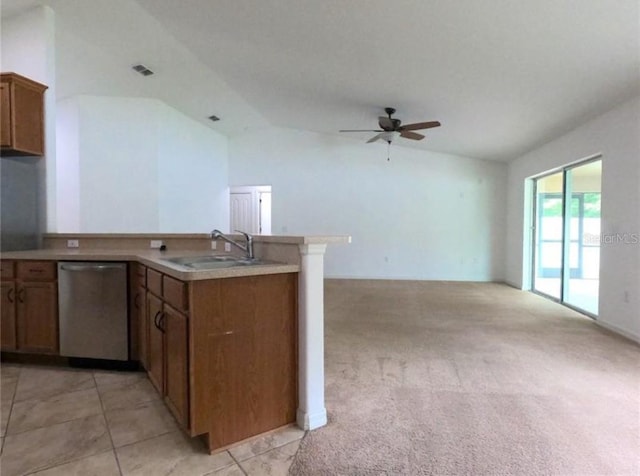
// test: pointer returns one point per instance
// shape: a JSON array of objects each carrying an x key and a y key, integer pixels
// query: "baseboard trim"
[
  {"x": 411, "y": 278},
  {"x": 618, "y": 330},
  {"x": 311, "y": 421},
  {"x": 513, "y": 284}
]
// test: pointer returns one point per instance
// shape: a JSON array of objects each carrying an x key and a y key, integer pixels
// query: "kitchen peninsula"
[{"x": 235, "y": 351}]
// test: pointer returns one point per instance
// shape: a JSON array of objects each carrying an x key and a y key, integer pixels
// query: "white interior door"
[
  {"x": 251, "y": 209},
  {"x": 242, "y": 212}
]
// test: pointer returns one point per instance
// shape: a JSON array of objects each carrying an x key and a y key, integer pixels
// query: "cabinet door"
[
  {"x": 155, "y": 362},
  {"x": 143, "y": 326},
  {"x": 8, "y": 315},
  {"x": 175, "y": 325},
  {"x": 5, "y": 119},
  {"x": 37, "y": 317}
]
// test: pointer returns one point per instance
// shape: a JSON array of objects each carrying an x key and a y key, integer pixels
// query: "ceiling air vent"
[
  {"x": 142, "y": 69},
  {"x": 214, "y": 118}
]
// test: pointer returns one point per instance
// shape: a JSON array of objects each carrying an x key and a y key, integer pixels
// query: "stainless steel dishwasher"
[{"x": 92, "y": 300}]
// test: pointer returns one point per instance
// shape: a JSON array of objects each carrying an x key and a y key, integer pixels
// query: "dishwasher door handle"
[{"x": 91, "y": 267}]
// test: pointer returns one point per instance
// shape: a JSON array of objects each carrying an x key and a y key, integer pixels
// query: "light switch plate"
[
  {"x": 213, "y": 244},
  {"x": 155, "y": 244},
  {"x": 227, "y": 246},
  {"x": 73, "y": 243}
]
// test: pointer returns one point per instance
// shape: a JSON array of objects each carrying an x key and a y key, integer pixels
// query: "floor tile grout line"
[
  {"x": 53, "y": 424},
  {"x": 113, "y": 449},
  {"x": 123, "y": 408},
  {"x": 238, "y": 464},
  {"x": 116, "y": 448},
  {"x": 212, "y": 473},
  {"x": 147, "y": 439},
  {"x": 6, "y": 429},
  {"x": 268, "y": 449},
  {"x": 73, "y": 460},
  {"x": 106, "y": 424},
  {"x": 14, "y": 402},
  {"x": 52, "y": 395},
  {"x": 74, "y": 419}
]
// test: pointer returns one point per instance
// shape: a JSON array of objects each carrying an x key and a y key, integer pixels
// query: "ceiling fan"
[{"x": 390, "y": 128}]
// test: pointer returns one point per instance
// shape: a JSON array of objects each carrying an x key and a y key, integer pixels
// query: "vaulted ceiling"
[{"x": 502, "y": 76}]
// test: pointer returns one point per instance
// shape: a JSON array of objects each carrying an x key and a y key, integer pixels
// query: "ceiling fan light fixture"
[
  {"x": 391, "y": 128},
  {"x": 389, "y": 136}
]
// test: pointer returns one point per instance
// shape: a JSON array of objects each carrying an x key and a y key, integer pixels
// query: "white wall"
[
  {"x": 615, "y": 135},
  {"x": 68, "y": 167},
  {"x": 135, "y": 165},
  {"x": 28, "y": 48},
  {"x": 421, "y": 215},
  {"x": 192, "y": 175}
]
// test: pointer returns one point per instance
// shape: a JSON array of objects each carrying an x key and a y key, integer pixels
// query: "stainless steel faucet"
[{"x": 247, "y": 247}]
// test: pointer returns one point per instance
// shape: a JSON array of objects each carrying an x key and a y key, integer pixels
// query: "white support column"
[{"x": 311, "y": 411}]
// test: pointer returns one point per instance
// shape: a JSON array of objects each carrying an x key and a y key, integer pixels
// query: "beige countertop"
[
  {"x": 155, "y": 259},
  {"x": 301, "y": 240}
]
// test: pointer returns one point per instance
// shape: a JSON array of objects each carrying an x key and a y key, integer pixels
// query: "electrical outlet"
[
  {"x": 214, "y": 244},
  {"x": 73, "y": 243},
  {"x": 227, "y": 246},
  {"x": 155, "y": 244}
]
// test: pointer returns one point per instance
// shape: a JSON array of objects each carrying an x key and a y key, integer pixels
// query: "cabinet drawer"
[
  {"x": 7, "y": 269},
  {"x": 175, "y": 293},
  {"x": 37, "y": 270},
  {"x": 154, "y": 282}
]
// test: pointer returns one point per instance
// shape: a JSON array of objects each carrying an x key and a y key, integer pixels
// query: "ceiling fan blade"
[
  {"x": 411, "y": 135},
  {"x": 376, "y": 137},
  {"x": 419, "y": 125},
  {"x": 386, "y": 123},
  {"x": 360, "y": 130}
]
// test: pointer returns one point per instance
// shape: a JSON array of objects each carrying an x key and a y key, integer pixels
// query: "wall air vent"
[
  {"x": 214, "y": 118},
  {"x": 142, "y": 69}
]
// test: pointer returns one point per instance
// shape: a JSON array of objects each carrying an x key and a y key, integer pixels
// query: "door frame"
[{"x": 533, "y": 248}]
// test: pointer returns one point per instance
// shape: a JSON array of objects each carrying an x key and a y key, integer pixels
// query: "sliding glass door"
[
  {"x": 582, "y": 282},
  {"x": 566, "y": 235},
  {"x": 549, "y": 233}
]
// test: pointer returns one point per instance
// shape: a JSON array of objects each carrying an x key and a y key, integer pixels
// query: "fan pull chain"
[{"x": 388, "y": 150}]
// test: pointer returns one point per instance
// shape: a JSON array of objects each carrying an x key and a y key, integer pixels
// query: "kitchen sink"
[{"x": 213, "y": 261}]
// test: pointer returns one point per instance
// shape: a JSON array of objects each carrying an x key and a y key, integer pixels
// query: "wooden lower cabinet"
[
  {"x": 168, "y": 353},
  {"x": 8, "y": 315},
  {"x": 243, "y": 356},
  {"x": 155, "y": 360},
  {"x": 37, "y": 317},
  {"x": 224, "y": 353},
  {"x": 29, "y": 315},
  {"x": 140, "y": 305},
  {"x": 176, "y": 329}
]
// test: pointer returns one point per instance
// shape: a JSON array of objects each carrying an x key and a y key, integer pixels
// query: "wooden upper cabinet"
[
  {"x": 5, "y": 118},
  {"x": 22, "y": 115}
]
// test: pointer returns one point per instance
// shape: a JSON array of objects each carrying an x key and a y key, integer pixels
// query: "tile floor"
[{"x": 66, "y": 422}]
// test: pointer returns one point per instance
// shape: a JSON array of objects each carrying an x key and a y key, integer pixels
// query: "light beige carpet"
[{"x": 433, "y": 378}]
